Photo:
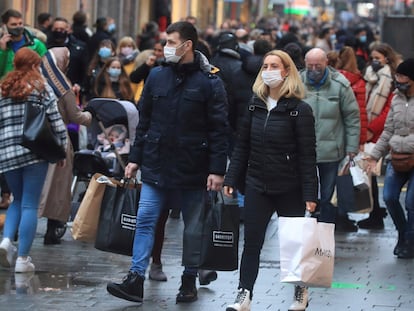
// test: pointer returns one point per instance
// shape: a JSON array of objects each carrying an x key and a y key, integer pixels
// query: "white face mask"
[
  {"x": 272, "y": 78},
  {"x": 169, "y": 54}
]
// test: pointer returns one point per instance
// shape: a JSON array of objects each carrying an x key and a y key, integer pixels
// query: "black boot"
[
  {"x": 205, "y": 277},
  {"x": 131, "y": 288},
  {"x": 400, "y": 244},
  {"x": 375, "y": 221},
  {"x": 407, "y": 250},
  {"x": 50, "y": 236},
  {"x": 344, "y": 224},
  {"x": 187, "y": 291}
]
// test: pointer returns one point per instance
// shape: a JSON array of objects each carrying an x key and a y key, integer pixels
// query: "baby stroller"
[{"x": 104, "y": 154}]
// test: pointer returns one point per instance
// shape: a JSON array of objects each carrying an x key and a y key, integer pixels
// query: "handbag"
[
  {"x": 85, "y": 224},
  {"x": 117, "y": 220},
  {"x": 218, "y": 247},
  {"x": 307, "y": 251},
  {"x": 402, "y": 162},
  {"x": 38, "y": 135}
]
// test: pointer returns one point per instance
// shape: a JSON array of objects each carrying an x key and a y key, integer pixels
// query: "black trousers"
[
  {"x": 259, "y": 208},
  {"x": 3, "y": 185}
]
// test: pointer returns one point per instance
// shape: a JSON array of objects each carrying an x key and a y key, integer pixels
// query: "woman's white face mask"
[{"x": 272, "y": 78}]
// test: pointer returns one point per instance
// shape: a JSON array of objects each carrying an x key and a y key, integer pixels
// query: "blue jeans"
[
  {"x": 393, "y": 183},
  {"x": 26, "y": 184},
  {"x": 152, "y": 201},
  {"x": 327, "y": 181}
]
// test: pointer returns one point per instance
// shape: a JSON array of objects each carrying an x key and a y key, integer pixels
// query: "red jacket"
[
  {"x": 358, "y": 86},
  {"x": 376, "y": 126}
]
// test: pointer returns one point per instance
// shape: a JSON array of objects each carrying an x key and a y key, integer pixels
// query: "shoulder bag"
[{"x": 38, "y": 135}]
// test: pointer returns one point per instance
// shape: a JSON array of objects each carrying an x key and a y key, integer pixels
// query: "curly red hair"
[{"x": 25, "y": 78}]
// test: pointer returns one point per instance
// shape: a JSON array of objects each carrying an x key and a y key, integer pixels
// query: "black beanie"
[{"x": 406, "y": 68}]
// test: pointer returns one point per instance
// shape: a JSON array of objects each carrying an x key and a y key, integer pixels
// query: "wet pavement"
[{"x": 73, "y": 276}]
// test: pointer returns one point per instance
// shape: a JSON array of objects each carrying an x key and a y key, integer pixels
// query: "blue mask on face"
[
  {"x": 105, "y": 52},
  {"x": 111, "y": 28},
  {"x": 363, "y": 39},
  {"x": 114, "y": 72}
]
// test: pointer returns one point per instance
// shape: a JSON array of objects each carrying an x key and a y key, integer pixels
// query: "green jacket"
[
  {"x": 7, "y": 56},
  {"x": 337, "y": 118}
]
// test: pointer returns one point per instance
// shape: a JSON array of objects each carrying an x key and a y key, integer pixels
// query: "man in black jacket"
[
  {"x": 180, "y": 146},
  {"x": 59, "y": 36}
]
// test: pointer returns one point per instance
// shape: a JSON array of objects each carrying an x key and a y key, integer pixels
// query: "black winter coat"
[
  {"x": 182, "y": 133},
  {"x": 275, "y": 151}
]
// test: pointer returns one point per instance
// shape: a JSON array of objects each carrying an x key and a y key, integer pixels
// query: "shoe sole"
[
  {"x": 158, "y": 280},
  {"x": 115, "y": 292},
  {"x": 3, "y": 258},
  {"x": 307, "y": 305},
  {"x": 186, "y": 300}
]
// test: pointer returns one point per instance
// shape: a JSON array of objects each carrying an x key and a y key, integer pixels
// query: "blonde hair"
[
  {"x": 292, "y": 86},
  {"x": 125, "y": 41}
]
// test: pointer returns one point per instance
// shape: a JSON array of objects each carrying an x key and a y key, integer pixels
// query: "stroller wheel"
[{"x": 60, "y": 230}]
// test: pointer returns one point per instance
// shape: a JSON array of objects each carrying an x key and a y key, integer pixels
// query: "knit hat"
[{"x": 406, "y": 68}]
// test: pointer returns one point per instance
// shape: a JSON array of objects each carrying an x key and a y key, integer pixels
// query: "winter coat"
[
  {"x": 358, "y": 86},
  {"x": 181, "y": 136},
  {"x": 398, "y": 133},
  {"x": 336, "y": 116},
  {"x": 275, "y": 150},
  {"x": 56, "y": 198}
]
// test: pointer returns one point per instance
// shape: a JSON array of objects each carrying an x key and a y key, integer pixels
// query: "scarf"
[
  {"x": 378, "y": 87},
  {"x": 54, "y": 76}
]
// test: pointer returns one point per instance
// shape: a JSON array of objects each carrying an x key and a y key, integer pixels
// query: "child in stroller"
[{"x": 115, "y": 139}]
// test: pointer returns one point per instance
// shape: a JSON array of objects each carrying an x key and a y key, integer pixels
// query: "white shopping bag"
[{"x": 307, "y": 250}]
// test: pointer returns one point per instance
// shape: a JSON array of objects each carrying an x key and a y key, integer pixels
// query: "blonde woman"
[
  {"x": 274, "y": 162},
  {"x": 128, "y": 54}
]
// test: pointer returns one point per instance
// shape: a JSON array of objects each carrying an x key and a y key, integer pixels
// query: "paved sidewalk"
[{"x": 73, "y": 276}]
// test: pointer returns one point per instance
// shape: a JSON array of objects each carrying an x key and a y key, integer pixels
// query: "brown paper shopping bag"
[{"x": 85, "y": 224}]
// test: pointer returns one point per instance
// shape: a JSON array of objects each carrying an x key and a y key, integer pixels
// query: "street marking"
[{"x": 342, "y": 285}]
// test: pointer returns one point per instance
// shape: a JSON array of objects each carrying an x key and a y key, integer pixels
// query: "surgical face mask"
[
  {"x": 169, "y": 54},
  {"x": 333, "y": 37},
  {"x": 363, "y": 39},
  {"x": 15, "y": 32},
  {"x": 114, "y": 72},
  {"x": 111, "y": 28},
  {"x": 402, "y": 87},
  {"x": 315, "y": 75},
  {"x": 272, "y": 78},
  {"x": 376, "y": 65},
  {"x": 127, "y": 50},
  {"x": 105, "y": 52}
]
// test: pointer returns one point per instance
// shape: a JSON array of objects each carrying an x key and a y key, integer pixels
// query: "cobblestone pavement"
[{"x": 73, "y": 276}]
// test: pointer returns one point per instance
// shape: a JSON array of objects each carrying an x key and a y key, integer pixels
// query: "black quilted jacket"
[{"x": 275, "y": 151}]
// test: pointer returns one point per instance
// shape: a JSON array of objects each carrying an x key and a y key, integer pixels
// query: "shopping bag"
[
  {"x": 353, "y": 190},
  {"x": 85, "y": 223},
  {"x": 220, "y": 243},
  {"x": 213, "y": 243},
  {"x": 117, "y": 220},
  {"x": 307, "y": 250}
]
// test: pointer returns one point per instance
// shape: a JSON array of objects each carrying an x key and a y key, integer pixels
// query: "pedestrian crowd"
[{"x": 265, "y": 114}]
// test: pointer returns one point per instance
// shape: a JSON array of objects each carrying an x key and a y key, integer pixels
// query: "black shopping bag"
[
  {"x": 117, "y": 220},
  {"x": 352, "y": 198},
  {"x": 220, "y": 239}
]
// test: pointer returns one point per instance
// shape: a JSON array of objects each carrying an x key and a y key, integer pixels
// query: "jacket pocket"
[{"x": 151, "y": 153}]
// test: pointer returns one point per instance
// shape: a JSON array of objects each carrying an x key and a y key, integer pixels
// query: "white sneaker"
[
  {"x": 7, "y": 253},
  {"x": 24, "y": 265},
  {"x": 300, "y": 299},
  {"x": 242, "y": 302}
]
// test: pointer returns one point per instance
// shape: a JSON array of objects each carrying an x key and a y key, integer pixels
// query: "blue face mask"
[
  {"x": 105, "y": 52},
  {"x": 111, "y": 28},
  {"x": 114, "y": 72},
  {"x": 363, "y": 39}
]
